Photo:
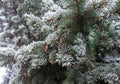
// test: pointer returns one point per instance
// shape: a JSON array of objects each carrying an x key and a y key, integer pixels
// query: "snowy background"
[{"x": 2, "y": 73}]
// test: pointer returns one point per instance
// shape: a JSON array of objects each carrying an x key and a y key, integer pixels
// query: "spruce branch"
[
  {"x": 77, "y": 4},
  {"x": 113, "y": 12}
]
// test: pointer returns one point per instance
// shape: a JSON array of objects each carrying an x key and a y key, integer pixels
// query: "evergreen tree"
[{"x": 60, "y": 41}]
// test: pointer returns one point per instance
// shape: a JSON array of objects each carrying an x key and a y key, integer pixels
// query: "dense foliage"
[{"x": 60, "y": 41}]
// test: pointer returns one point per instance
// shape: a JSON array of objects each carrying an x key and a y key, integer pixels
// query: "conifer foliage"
[{"x": 60, "y": 41}]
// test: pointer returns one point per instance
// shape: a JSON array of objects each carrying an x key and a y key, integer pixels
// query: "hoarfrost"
[
  {"x": 16, "y": 19},
  {"x": 50, "y": 38}
]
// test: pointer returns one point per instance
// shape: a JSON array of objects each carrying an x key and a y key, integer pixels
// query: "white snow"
[{"x": 7, "y": 51}]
